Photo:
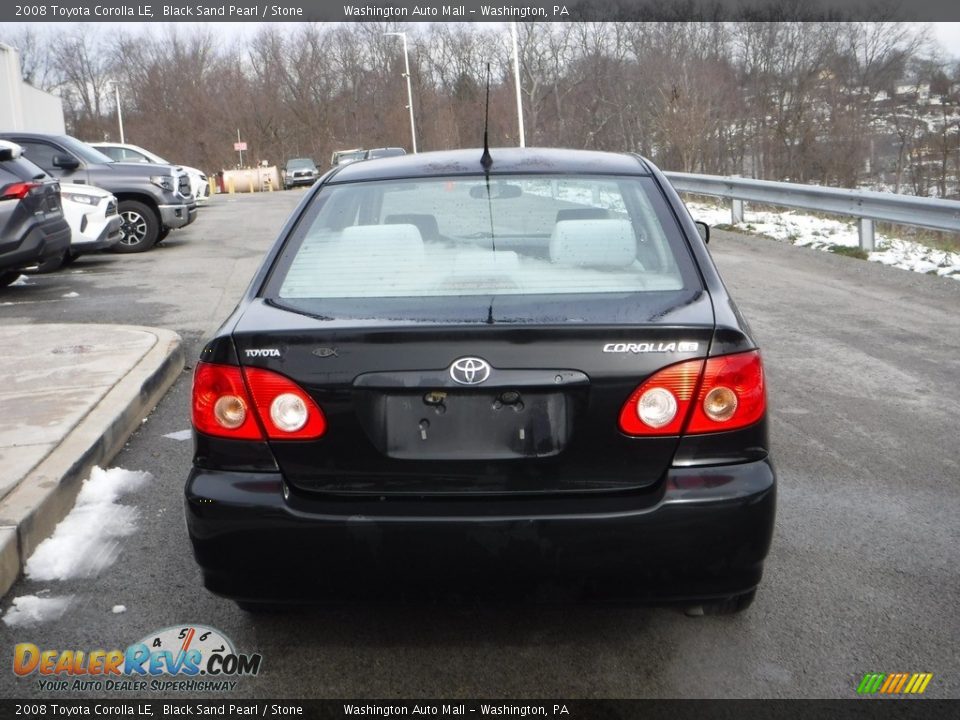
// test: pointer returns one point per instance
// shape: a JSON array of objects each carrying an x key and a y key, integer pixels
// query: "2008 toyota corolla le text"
[{"x": 454, "y": 372}]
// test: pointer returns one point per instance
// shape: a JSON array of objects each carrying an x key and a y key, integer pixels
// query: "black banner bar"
[
  {"x": 281, "y": 11},
  {"x": 861, "y": 709}
]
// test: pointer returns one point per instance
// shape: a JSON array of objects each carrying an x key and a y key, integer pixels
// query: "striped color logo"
[{"x": 894, "y": 683}]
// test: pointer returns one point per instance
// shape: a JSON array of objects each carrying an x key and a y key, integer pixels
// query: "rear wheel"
[
  {"x": 140, "y": 228},
  {"x": 53, "y": 263},
  {"x": 727, "y": 606}
]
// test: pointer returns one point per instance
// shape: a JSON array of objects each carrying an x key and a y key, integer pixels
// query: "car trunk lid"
[{"x": 405, "y": 416}]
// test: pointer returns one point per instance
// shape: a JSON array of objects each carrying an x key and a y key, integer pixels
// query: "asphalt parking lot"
[{"x": 862, "y": 361}]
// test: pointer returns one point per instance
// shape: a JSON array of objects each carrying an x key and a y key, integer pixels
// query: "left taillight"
[
  {"x": 285, "y": 409},
  {"x": 18, "y": 191},
  {"x": 243, "y": 404}
]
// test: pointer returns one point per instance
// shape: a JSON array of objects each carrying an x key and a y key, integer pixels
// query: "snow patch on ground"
[
  {"x": 825, "y": 233},
  {"x": 180, "y": 435},
  {"x": 20, "y": 281},
  {"x": 88, "y": 539},
  {"x": 117, "y": 609},
  {"x": 31, "y": 610},
  {"x": 71, "y": 295}
]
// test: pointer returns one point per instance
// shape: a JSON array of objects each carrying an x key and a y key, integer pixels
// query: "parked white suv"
[
  {"x": 124, "y": 152},
  {"x": 93, "y": 218}
]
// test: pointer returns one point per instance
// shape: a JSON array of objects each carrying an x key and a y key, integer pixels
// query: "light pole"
[
  {"x": 116, "y": 90},
  {"x": 406, "y": 65},
  {"x": 516, "y": 79}
]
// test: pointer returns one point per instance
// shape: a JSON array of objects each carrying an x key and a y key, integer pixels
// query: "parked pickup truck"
[{"x": 153, "y": 199}]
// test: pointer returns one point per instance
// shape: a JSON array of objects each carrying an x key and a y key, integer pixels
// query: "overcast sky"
[{"x": 946, "y": 33}]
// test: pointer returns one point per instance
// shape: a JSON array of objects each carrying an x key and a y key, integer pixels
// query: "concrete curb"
[{"x": 30, "y": 512}]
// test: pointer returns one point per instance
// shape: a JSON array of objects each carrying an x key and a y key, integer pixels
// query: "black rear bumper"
[
  {"x": 704, "y": 533},
  {"x": 41, "y": 241}
]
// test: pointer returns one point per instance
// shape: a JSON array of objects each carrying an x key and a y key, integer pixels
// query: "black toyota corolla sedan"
[{"x": 517, "y": 374}]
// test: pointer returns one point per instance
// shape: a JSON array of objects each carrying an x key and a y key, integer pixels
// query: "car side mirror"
[
  {"x": 65, "y": 162},
  {"x": 704, "y": 230}
]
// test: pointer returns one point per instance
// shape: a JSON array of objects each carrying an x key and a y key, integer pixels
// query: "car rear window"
[{"x": 469, "y": 236}]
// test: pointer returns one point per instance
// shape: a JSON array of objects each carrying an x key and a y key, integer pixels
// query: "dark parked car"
[
  {"x": 300, "y": 171},
  {"x": 445, "y": 375},
  {"x": 152, "y": 199},
  {"x": 33, "y": 230}
]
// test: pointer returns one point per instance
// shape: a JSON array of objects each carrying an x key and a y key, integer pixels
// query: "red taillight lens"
[
  {"x": 17, "y": 191},
  {"x": 233, "y": 403},
  {"x": 286, "y": 410},
  {"x": 660, "y": 405},
  {"x": 221, "y": 403},
  {"x": 732, "y": 394}
]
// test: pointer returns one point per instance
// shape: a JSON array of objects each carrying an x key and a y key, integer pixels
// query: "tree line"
[{"x": 842, "y": 103}]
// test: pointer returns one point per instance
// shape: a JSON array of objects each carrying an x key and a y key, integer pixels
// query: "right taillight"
[
  {"x": 716, "y": 394},
  {"x": 660, "y": 405},
  {"x": 731, "y": 396}
]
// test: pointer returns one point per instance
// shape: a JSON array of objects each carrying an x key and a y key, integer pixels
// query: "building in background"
[{"x": 22, "y": 106}]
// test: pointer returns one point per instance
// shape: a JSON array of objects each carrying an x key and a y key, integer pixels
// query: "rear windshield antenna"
[{"x": 485, "y": 159}]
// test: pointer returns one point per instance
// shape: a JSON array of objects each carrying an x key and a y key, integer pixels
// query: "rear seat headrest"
[
  {"x": 400, "y": 242},
  {"x": 426, "y": 224},
  {"x": 594, "y": 243},
  {"x": 587, "y": 213}
]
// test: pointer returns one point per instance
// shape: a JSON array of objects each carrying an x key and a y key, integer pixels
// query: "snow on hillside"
[{"x": 823, "y": 233}]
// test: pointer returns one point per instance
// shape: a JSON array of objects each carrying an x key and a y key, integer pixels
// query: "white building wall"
[
  {"x": 42, "y": 112},
  {"x": 22, "y": 106}
]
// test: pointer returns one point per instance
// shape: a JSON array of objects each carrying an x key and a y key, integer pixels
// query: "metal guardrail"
[{"x": 865, "y": 205}]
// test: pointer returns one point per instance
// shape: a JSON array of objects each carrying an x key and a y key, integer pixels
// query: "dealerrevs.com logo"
[{"x": 185, "y": 658}]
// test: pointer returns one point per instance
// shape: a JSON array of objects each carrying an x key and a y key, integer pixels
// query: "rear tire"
[
  {"x": 140, "y": 228},
  {"x": 727, "y": 606},
  {"x": 52, "y": 264}
]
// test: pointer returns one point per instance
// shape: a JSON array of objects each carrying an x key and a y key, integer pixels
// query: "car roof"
[
  {"x": 34, "y": 135},
  {"x": 505, "y": 161}
]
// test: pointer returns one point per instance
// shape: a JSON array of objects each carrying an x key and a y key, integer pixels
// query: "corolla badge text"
[{"x": 650, "y": 347}]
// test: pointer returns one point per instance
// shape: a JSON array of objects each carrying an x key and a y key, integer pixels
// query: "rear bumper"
[
  {"x": 703, "y": 534},
  {"x": 42, "y": 241}
]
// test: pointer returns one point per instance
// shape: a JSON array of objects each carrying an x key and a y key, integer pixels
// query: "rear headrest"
[
  {"x": 587, "y": 213},
  {"x": 400, "y": 242},
  {"x": 426, "y": 224},
  {"x": 593, "y": 243}
]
